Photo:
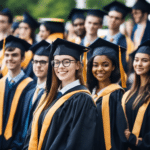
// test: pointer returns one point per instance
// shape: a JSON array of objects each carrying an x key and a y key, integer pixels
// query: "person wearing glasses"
[
  {"x": 13, "y": 88},
  {"x": 40, "y": 69},
  {"x": 66, "y": 119},
  {"x": 116, "y": 16}
]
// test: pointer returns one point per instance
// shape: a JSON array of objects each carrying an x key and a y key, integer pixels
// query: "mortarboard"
[
  {"x": 77, "y": 13},
  {"x": 41, "y": 48},
  {"x": 15, "y": 25},
  {"x": 143, "y": 48},
  {"x": 117, "y": 6},
  {"x": 142, "y": 5},
  {"x": 55, "y": 25},
  {"x": 96, "y": 12},
  {"x": 30, "y": 20},
  {"x": 103, "y": 47},
  {"x": 12, "y": 41}
]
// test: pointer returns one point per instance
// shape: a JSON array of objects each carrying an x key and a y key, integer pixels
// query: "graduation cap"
[
  {"x": 7, "y": 12},
  {"x": 103, "y": 47},
  {"x": 63, "y": 47},
  {"x": 55, "y": 25},
  {"x": 143, "y": 48},
  {"x": 117, "y": 6},
  {"x": 96, "y": 12},
  {"x": 30, "y": 20},
  {"x": 12, "y": 41},
  {"x": 40, "y": 48},
  {"x": 15, "y": 25},
  {"x": 142, "y": 5},
  {"x": 77, "y": 13}
]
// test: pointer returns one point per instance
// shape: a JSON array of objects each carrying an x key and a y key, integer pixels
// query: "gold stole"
[
  {"x": 106, "y": 112},
  {"x": 34, "y": 144},
  {"x": 140, "y": 115},
  {"x": 130, "y": 47},
  {"x": 20, "y": 88}
]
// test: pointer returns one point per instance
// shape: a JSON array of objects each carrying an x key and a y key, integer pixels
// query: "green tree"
[{"x": 99, "y": 4}]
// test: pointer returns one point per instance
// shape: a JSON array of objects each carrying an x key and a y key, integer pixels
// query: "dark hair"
[
  {"x": 92, "y": 82},
  {"x": 13, "y": 48},
  {"x": 144, "y": 92},
  {"x": 9, "y": 15}
]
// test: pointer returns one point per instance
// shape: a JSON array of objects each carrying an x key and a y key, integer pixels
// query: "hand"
[
  {"x": 137, "y": 141},
  {"x": 127, "y": 133}
]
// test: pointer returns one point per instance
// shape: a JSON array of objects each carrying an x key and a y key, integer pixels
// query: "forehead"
[
  {"x": 115, "y": 14},
  {"x": 136, "y": 10},
  {"x": 16, "y": 50},
  {"x": 40, "y": 57},
  {"x": 22, "y": 24},
  {"x": 142, "y": 55},
  {"x": 3, "y": 17},
  {"x": 78, "y": 20},
  {"x": 61, "y": 57},
  {"x": 101, "y": 58},
  {"x": 92, "y": 18}
]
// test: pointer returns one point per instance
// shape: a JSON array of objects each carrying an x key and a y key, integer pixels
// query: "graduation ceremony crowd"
[{"x": 75, "y": 90}]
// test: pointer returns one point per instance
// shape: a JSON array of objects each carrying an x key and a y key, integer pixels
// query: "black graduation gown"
[
  {"x": 114, "y": 101},
  {"x": 16, "y": 141},
  {"x": 73, "y": 126},
  {"x": 145, "y": 130}
]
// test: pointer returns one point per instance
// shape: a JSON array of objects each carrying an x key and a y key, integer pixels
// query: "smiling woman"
[
  {"x": 103, "y": 74},
  {"x": 136, "y": 101},
  {"x": 67, "y": 116}
]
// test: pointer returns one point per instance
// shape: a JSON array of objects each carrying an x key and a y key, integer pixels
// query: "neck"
[
  {"x": 41, "y": 80},
  {"x": 64, "y": 83},
  {"x": 91, "y": 38},
  {"x": 113, "y": 32},
  {"x": 143, "y": 79},
  {"x": 103, "y": 84},
  {"x": 14, "y": 73},
  {"x": 143, "y": 22}
]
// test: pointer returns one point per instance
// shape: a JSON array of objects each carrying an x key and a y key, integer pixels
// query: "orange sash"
[
  {"x": 20, "y": 88},
  {"x": 34, "y": 144}
]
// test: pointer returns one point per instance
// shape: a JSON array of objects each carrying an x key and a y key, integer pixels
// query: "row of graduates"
[{"x": 63, "y": 115}]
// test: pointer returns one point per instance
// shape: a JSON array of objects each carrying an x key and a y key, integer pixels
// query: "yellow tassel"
[
  {"x": 84, "y": 60},
  {"x": 122, "y": 72},
  {"x": 3, "y": 51}
]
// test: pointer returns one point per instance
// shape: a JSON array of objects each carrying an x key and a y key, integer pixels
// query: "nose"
[
  {"x": 100, "y": 68},
  {"x": 139, "y": 63},
  {"x": 61, "y": 65}
]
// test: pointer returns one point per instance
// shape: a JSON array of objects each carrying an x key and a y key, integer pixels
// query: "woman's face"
[
  {"x": 43, "y": 33},
  {"x": 24, "y": 31},
  {"x": 67, "y": 73},
  {"x": 141, "y": 63},
  {"x": 102, "y": 68}
]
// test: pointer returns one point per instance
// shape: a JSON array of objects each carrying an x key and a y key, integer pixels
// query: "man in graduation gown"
[
  {"x": 13, "y": 87},
  {"x": 78, "y": 18},
  {"x": 116, "y": 16},
  {"x": 141, "y": 30},
  {"x": 40, "y": 68},
  {"x": 93, "y": 22}
]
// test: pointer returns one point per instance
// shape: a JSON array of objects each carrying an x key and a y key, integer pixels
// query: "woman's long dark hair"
[
  {"x": 144, "y": 93},
  {"x": 92, "y": 82}
]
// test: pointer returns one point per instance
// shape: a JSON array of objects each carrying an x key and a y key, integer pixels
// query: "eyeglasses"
[
  {"x": 42, "y": 62},
  {"x": 65, "y": 63}
]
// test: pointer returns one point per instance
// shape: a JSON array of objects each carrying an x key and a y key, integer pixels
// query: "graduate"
[
  {"x": 27, "y": 28},
  {"x": 40, "y": 69},
  {"x": 77, "y": 17},
  {"x": 55, "y": 28},
  {"x": 13, "y": 87},
  {"x": 102, "y": 77},
  {"x": 135, "y": 102},
  {"x": 67, "y": 117},
  {"x": 116, "y": 16}
]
